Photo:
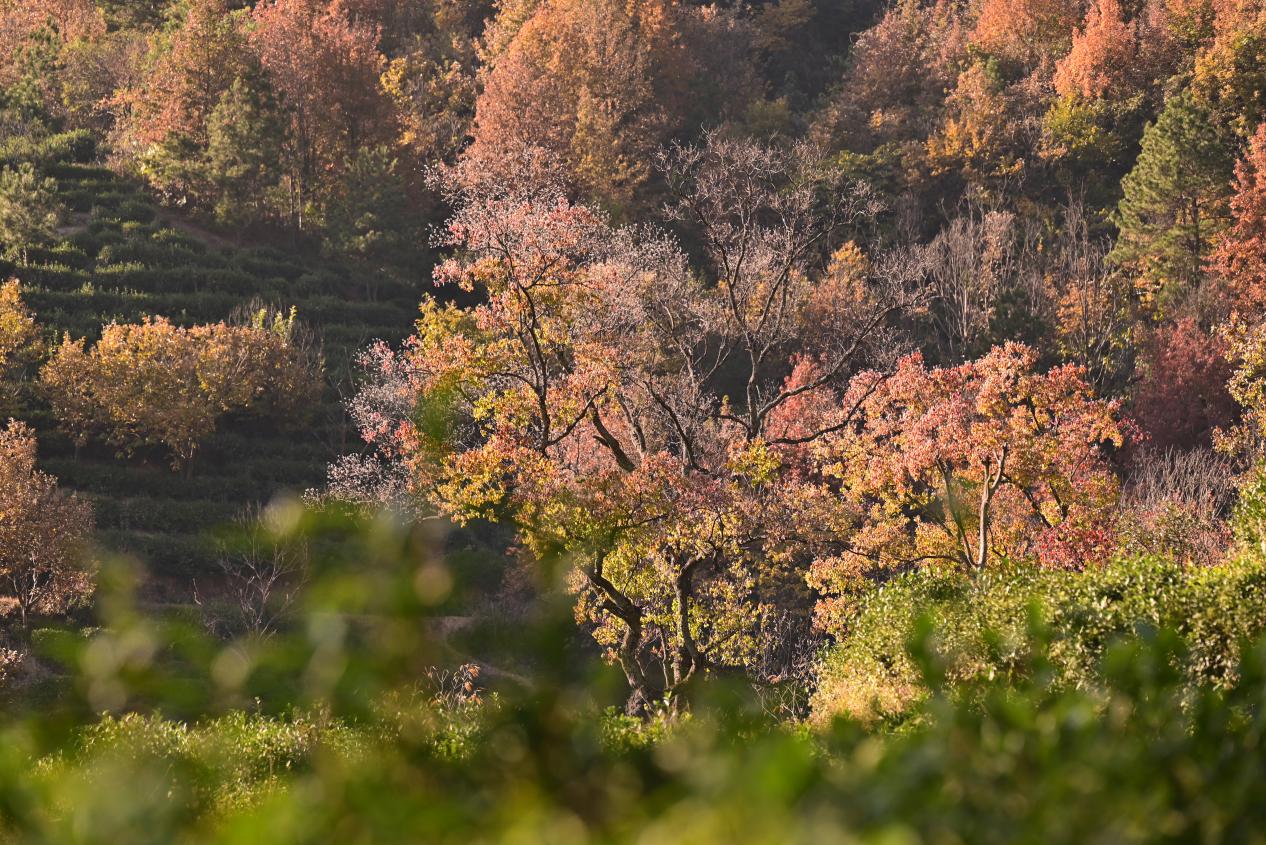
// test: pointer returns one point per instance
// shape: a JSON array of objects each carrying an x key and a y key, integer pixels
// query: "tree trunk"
[{"x": 641, "y": 697}]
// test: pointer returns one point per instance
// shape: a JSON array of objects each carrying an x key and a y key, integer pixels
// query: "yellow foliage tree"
[
  {"x": 18, "y": 329},
  {"x": 155, "y": 383}
]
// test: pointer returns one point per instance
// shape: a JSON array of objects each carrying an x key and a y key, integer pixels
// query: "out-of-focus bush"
[
  {"x": 339, "y": 729},
  {"x": 981, "y": 623}
]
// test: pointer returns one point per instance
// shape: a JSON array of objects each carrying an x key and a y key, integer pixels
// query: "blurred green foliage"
[
  {"x": 983, "y": 620},
  {"x": 339, "y": 730}
]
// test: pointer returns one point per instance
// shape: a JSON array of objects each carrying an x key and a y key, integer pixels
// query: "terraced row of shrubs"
[{"x": 119, "y": 258}]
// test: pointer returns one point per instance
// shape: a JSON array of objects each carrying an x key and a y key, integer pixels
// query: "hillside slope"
[{"x": 119, "y": 257}]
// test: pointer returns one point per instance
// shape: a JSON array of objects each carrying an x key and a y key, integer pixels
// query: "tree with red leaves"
[
  {"x": 1182, "y": 397},
  {"x": 965, "y": 466},
  {"x": 1239, "y": 259}
]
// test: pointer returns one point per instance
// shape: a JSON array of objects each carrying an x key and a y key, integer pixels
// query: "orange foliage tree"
[
  {"x": 1024, "y": 32},
  {"x": 1114, "y": 55},
  {"x": 1239, "y": 258},
  {"x": 626, "y": 416},
  {"x": 965, "y": 466},
  {"x": 154, "y": 383},
  {"x": 165, "y": 118},
  {"x": 20, "y": 19},
  {"x": 599, "y": 84},
  {"x": 43, "y": 532},
  {"x": 326, "y": 68}
]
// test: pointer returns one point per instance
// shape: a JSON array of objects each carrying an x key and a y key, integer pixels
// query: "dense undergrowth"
[{"x": 985, "y": 622}]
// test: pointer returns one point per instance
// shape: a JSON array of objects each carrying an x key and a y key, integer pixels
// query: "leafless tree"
[
  {"x": 1092, "y": 304},
  {"x": 263, "y": 577},
  {"x": 784, "y": 674},
  {"x": 970, "y": 264},
  {"x": 1176, "y": 504}
]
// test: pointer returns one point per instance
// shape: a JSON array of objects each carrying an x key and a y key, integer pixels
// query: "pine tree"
[
  {"x": 1174, "y": 202},
  {"x": 245, "y": 131},
  {"x": 368, "y": 216},
  {"x": 29, "y": 208}
]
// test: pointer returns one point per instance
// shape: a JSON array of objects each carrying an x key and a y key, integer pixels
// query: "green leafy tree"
[
  {"x": 1174, "y": 201},
  {"x": 134, "y": 14},
  {"x": 245, "y": 135},
  {"x": 369, "y": 217},
  {"x": 29, "y": 208}
]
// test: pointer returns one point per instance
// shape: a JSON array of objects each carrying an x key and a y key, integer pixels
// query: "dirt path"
[
  {"x": 175, "y": 221},
  {"x": 445, "y": 626}
]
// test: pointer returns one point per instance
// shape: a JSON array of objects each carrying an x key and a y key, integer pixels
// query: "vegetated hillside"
[{"x": 120, "y": 258}]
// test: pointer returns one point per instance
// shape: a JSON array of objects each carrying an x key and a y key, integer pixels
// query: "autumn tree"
[
  {"x": 154, "y": 383},
  {"x": 1115, "y": 55},
  {"x": 1175, "y": 505},
  {"x": 980, "y": 139},
  {"x": 326, "y": 68},
  {"x": 966, "y": 466},
  {"x": 68, "y": 20},
  {"x": 1024, "y": 32},
  {"x": 893, "y": 90},
  {"x": 19, "y": 333},
  {"x": 599, "y": 85},
  {"x": 1093, "y": 304},
  {"x": 1181, "y": 397},
  {"x": 1229, "y": 77},
  {"x": 43, "y": 533},
  {"x": 92, "y": 75},
  {"x": 433, "y": 78},
  {"x": 1246, "y": 347},
  {"x": 801, "y": 42},
  {"x": 1239, "y": 258},
  {"x": 1174, "y": 202},
  {"x": 165, "y": 124},
  {"x": 133, "y": 14},
  {"x": 629, "y": 417}
]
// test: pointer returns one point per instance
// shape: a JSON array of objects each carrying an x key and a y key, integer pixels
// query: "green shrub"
[
  {"x": 983, "y": 622},
  {"x": 51, "y": 153}
]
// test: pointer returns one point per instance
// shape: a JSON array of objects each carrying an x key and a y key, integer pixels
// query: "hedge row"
[{"x": 984, "y": 625}]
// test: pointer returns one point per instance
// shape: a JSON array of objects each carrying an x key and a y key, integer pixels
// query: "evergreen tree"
[
  {"x": 246, "y": 132},
  {"x": 1174, "y": 201},
  {"x": 29, "y": 208},
  {"x": 368, "y": 217}
]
